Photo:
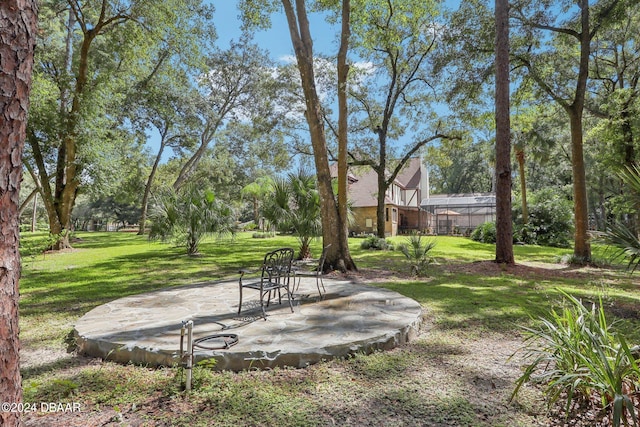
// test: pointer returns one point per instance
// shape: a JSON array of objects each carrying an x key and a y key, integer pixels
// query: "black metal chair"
[
  {"x": 317, "y": 272},
  {"x": 275, "y": 275}
]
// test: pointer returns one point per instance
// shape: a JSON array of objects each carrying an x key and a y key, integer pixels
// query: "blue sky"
[{"x": 276, "y": 40}]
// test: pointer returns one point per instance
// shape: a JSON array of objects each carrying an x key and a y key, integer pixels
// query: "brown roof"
[
  {"x": 363, "y": 192},
  {"x": 363, "y": 182},
  {"x": 409, "y": 176}
]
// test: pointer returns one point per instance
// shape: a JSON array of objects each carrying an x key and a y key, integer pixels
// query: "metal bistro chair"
[
  {"x": 317, "y": 272},
  {"x": 275, "y": 275}
]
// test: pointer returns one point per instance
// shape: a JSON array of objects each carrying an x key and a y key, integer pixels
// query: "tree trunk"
[
  {"x": 381, "y": 171},
  {"x": 523, "y": 186},
  {"x": 60, "y": 201},
  {"x": 629, "y": 160},
  {"x": 57, "y": 224},
  {"x": 504, "y": 227},
  {"x": 147, "y": 189},
  {"x": 190, "y": 166},
  {"x": 28, "y": 200},
  {"x": 303, "y": 46},
  {"x": 343, "y": 73},
  {"x": 49, "y": 199},
  {"x": 582, "y": 248},
  {"x": 18, "y": 21},
  {"x": 34, "y": 214},
  {"x": 256, "y": 210},
  {"x": 380, "y": 207},
  {"x": 68, "y": 171}
]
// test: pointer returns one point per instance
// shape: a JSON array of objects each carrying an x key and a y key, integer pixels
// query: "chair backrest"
[{"x": 277, "y": 264}]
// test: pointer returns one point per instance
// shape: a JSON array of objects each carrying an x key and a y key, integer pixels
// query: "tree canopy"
[
  {"x": 90, "y": 56},
  {"x": 408, "y": 78}
]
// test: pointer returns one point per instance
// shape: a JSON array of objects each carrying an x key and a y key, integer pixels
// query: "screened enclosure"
[{"x": 458, "y": 213}]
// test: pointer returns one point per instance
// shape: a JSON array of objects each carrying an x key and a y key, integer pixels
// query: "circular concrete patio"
[{"x": 351, "y": 318}]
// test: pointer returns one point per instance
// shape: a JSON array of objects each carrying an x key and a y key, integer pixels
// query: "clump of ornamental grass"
[{"x": 575, "y": 355}]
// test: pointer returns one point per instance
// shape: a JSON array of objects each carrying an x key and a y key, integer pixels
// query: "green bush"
[
  {"x": 37, "y": 245},
  {"x": 293, "y": 205},
  {"x": 266, "y": 235},
  {"x": 376, "y": 243},
  {"x": 576, "y": 356},
  {"x": 485, "y": 233},
  {"x": 618, "y": 235},
  {"x": 250, "y": 226},
  {"x": 550, "y": 220}
]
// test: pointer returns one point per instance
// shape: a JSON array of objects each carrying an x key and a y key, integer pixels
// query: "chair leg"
[
  {"x": 296, "y": 286},
  {"x": 262, "y": 307},
  {"x": 289, "y": 298},
  {"x": 320, "y": 282}
]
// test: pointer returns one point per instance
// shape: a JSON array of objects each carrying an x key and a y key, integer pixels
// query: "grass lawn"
[{"x": 446, "y": 377}]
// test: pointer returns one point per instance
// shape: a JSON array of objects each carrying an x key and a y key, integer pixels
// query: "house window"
[
  {"x": 386, "y": 214},
  {"x": 394, "y": 213},
  {"x": 368, "y": 222}
]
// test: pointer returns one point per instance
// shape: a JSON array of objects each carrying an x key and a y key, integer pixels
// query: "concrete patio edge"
[{"x": 352, "y": 318}]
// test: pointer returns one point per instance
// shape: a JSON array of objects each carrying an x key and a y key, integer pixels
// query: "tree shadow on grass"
[
  {"x": 79, "y": 289},
  {"x": 487, "y": 296}
]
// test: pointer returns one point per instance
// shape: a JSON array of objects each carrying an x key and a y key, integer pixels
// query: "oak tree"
[
  {"x": 333, "y": 223},
  {"x": 396, "y": 98},
  {"x": 557, "y": 60},
  {"x": 91, "y": 54}
]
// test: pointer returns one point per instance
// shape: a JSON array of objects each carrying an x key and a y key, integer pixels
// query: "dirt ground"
[{"x": 480, "y": 364}]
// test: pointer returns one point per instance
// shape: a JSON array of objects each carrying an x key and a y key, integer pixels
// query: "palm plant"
[
  {"x": 294, "y": 206},
  {"x": 624, "y": 242},
  {"x": 256, "y": 191},
  {"x": 623, "y": 239},
  {"x": 187, "y": 215},
  {"x": 417, "y": 253}
]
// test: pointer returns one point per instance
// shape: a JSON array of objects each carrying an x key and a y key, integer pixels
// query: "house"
[
  {"x": 402, "y": 200},
  {"x": 409, "y": 207}
]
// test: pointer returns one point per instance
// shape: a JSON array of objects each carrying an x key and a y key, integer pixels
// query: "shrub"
[
  {"x": 577, "y": 356},
  {"x": 619, "y": 236},
  {"x": 38, "y": 244},
  {"x": 267, "y": 235},
  {"x": 485, "y": 233},
  {"x": 250, "y": 226},
  {"x": 550, "y": 220},
  {"x": 376, "y": 243},
  {"x": 593, "y": 261}
]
